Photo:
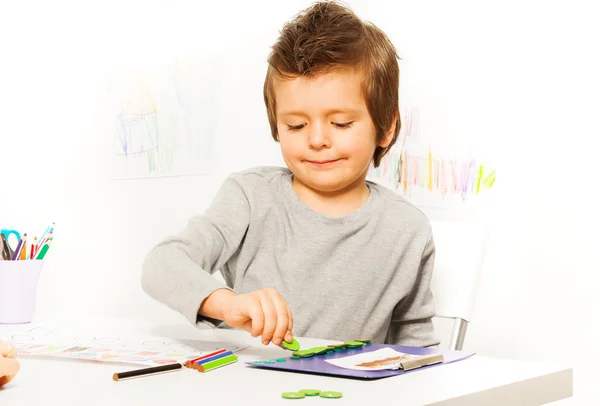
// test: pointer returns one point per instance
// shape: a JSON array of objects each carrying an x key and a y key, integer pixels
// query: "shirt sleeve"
[
  {"x": 178, "y": 271},
  {"x": 411, "y": 323}
]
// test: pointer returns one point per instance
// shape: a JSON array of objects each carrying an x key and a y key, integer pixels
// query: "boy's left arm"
[{"x": 412, "y": 323}]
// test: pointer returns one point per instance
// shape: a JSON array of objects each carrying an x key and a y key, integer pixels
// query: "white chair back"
[{"x": 460, "y": 252}]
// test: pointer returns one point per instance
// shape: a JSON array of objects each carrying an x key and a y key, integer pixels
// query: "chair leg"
[{"x": 459, "y": 330}]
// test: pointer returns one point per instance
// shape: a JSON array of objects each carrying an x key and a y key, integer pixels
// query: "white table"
[{"x": 475, "y": 381}]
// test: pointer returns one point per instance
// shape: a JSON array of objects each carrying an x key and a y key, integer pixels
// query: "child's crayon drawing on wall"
[
  {"x": 416, "y": 166},
  {"x": 160, "y": 120}
]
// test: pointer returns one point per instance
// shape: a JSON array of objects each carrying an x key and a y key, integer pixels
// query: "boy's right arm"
[{"x": 178, "y": 272}]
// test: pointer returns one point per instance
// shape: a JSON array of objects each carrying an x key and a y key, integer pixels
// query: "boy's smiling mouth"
[{"x": 323, "y": 162}]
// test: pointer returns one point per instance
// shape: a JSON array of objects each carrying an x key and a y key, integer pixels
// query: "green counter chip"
[
  {"x": 293, "y": 395},
  {"x": 310, "y": 392},
  {"x": 331, "y": 395},
  {"x": 354, "y": 343},
  {"x": 318, "y": 350},
  {"x": 293, "y": 346},
  {"x": 303, "y": 353}
]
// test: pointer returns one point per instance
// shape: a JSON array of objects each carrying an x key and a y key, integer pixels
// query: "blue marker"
[{"x": 221, "y": 355}]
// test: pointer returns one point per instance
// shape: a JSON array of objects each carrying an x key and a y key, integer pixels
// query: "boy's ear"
[{"x": 389, "y": 134}]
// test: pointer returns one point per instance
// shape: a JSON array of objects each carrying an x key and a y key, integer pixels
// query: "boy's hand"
[{"x": 262, "y": 313}]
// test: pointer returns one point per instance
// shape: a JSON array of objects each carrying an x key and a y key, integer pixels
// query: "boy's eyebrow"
[{"x": 327, "y": 112}]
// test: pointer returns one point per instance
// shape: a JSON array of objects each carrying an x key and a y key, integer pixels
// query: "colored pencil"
[
  {"x": 19, "y": 248},
  {"x": 196, "y": 364},
  {"x": 147, "y": 371},
  {"x": 47, "y": 238},
  {"x": 33, "y": 248},
  {"x": 191, "y": 362},
  {"x": 49, "y": 229}
]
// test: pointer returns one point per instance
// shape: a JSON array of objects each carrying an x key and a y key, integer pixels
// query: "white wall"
[{"x": 518, "y": 78}]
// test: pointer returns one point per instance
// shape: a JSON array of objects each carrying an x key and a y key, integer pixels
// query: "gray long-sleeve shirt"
[{"x": 362, "y": 275}]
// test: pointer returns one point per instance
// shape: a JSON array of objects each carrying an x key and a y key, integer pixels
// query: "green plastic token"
[
  {"x": 269, "y": 361},
  {"x": 364, "y": 341},
  {"x": 257, "y": 362},
  {"x": 293, "y": 395},
  {"x": 310, "y": 392},
  {"x": 354, "y": 343},
  {"x": 331, "y": 395},
  {"x": 318, "y": 350},
  {"x": 303, "y": 353},
  {"x": 293, "y": 346},
  {"x": 280, "y": 360},
  {"x": 294, "y": 357}
]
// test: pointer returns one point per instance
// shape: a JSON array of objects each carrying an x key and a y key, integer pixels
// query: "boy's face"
[{"x": 326, "y": 134}]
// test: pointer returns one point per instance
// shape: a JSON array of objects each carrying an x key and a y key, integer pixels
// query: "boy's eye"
[
  {"x": 343, "y": 125},
  {"x": 295, "y": 127}
]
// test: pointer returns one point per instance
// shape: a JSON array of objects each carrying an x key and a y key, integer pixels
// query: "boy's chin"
[{"x": 327, "y": 185}]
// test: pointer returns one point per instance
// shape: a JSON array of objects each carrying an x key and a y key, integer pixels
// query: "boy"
[{"x": 313, "y": 247}]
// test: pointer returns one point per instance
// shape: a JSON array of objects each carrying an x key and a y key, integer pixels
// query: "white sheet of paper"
[
  {"x": 383, "y": 358},
  {"x": 41, "y": 341}
]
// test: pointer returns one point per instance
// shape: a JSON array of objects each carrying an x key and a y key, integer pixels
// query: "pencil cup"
[{"x": 18, "y": 288}]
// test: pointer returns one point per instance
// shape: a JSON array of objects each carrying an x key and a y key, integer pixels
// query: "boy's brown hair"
[{"x": 328, "y": 36}]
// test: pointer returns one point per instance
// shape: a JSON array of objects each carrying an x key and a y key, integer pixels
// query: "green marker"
[
  {"x": 43, "y": 251},
  {"x": 209, "y": 366}
]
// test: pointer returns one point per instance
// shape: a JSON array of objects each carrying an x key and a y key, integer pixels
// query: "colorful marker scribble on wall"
[{"x": 413, "y": 164}]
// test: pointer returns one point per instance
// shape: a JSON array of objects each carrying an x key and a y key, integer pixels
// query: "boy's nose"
[{"x": 318, "y": 138}]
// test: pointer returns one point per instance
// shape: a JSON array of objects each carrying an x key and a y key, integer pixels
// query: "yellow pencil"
[{"x": 23, "y": 255}]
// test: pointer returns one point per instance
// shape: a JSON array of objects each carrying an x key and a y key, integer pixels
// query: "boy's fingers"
[
  {"x": 270, "y": 315},
  {"x": 8, "y": 366},
  {"x": 8, "y": 350},
  {"x": 290, "y": 320},
  {"x": 256, "y": 315},
  {"x": 282, "y": 320}
]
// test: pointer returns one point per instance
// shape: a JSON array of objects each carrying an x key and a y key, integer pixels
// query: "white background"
[{"x": 518, "y": 79}]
